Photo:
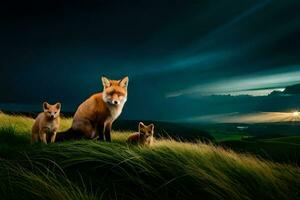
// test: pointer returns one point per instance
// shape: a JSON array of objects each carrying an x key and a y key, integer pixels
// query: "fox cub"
[
  {"x": 46, "y": 124},
  {"x": 144, "y": 136}
]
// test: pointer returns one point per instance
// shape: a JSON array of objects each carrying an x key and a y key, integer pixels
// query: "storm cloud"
[{"x": 176, "y": 54}]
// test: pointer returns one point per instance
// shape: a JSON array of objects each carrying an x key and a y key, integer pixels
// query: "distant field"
[
  {"x": 288, "y": 139},
  {"x": 284, "y": 150},
  {"x": 221, "y": 137},
  {"x": 99, "y": 170},
  {"x": 278, "y": 142}
]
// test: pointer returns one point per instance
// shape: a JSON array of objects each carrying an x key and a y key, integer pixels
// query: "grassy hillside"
[
  {"x": 176, "y": 131},
  {"x": 99, "y": 170}
]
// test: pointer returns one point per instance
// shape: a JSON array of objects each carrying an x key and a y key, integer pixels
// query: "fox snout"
[
  {"x": 116, "y": 102},
  {"x": 52, "y": 115}
]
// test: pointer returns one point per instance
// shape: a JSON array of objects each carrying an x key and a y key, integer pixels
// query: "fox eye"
[
  {"x": 54, "y": 113},
  {"x": 49, "y": 112}
]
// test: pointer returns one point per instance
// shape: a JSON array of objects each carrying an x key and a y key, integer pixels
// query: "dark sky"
[{"x": 176, "y": 53}]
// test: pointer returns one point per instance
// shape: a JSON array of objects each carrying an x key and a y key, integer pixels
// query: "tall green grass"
[
  {"x": 167, "y": 170},
  {"x": 39, "y": 182}
]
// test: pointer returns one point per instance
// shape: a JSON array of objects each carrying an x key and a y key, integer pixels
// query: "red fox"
[
  {"x": 144, "y": 136},
  {"x": 46, "y": 124},
  {"x": 94, "y": 117}
]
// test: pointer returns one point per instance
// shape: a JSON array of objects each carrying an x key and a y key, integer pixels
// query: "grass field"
[
  {"x": 281, "y": 152},
  {"x": 100, "y": 170},
  {"x": 284, "y": 149},
  {"x": 288, "y": 140},
  {"x": 221, "y": 137}
]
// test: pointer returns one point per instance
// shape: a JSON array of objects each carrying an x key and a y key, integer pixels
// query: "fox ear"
[
  {"x": 45, "y": 106},
  {"x": 58, "y": 105},
  {"x": 105, "y": 82},
  {"x": 141, "y": 124},
  {"x": 152, "y": 127},
  {"x": 124, "y": 82}
]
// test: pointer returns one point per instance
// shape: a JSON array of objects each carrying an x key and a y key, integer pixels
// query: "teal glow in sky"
[
  {"x": 178, "y": 53},
  {"x": 258, "y": 84}
]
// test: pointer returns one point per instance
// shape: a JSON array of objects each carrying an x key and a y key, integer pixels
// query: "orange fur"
[
  {"x": 144, "y": 136},
  {"x": 46, "y": 124},
  {"x": 135, "y": 137},
  {"x": 94, "y": 117}
]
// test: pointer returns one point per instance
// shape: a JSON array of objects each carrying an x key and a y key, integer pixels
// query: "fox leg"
[
  {"x": 34, "y": 138},
  {"x": 107, "y": 131},
  {"x": 100, "y": 131},
  {"x": 53, "y": 136},
  {"x": 43, "y": 137}
]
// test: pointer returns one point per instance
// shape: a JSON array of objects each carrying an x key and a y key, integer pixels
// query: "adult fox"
[{"x": 94, "y": 117}]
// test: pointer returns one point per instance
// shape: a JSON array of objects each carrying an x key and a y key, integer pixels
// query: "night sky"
[{"x": 183, "y": 58}]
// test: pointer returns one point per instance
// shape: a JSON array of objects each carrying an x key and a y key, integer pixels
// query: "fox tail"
[{"x": 69, "y": 134}]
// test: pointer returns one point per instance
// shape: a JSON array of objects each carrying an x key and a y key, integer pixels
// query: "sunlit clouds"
[
  {"x": 256, "y": 84},
  {"x": 261, "y": 117},
  {"x": 296, "y": 114}
]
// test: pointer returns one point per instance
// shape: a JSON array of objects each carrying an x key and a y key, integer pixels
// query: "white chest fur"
[
  {"x": 51, "y": 126},
  {"x": 115, "y": 111}
]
